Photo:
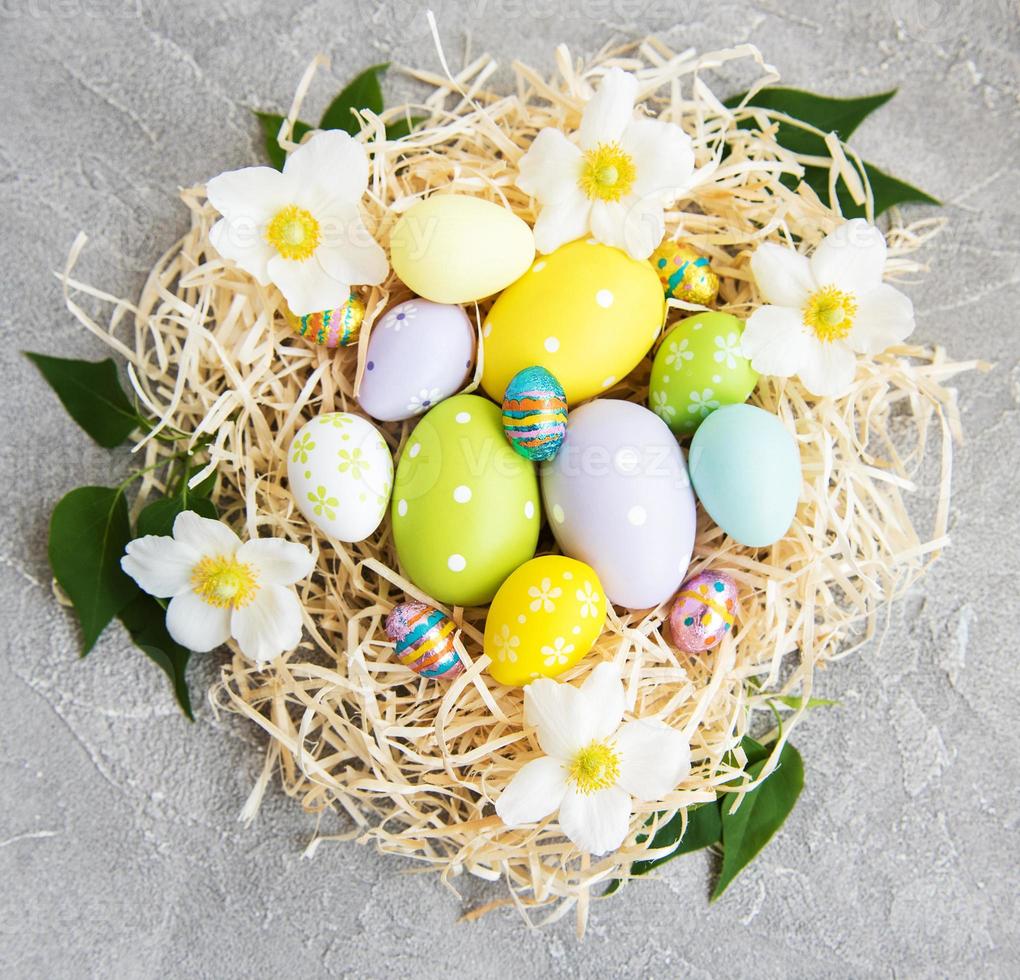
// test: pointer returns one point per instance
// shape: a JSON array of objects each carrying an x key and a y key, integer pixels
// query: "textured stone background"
[{"x": 120, "y": 850}]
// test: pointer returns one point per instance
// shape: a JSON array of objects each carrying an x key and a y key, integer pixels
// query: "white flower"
[
  {"x": 824, "y": 310},
  {"x": 425, "y": 398},
  {"x": 220, "y": 588},
  {"x": 589, "y": 600},
  {"x": 615, "y": 180},
  {"x": 661, "y": 406},
  {"x": 506, "y": 645},
  {"x": 678, "y": 352},
  {"x": 558, "y": 653},
  {"x": 543, "y": 595},
  {"x": 702, "y": 403},
  {"x": 396, "y": 318},
  {"x": 593, "y": 765},
  {"x": 729, "y": 350},
  {"x": 301, "y": 229}
]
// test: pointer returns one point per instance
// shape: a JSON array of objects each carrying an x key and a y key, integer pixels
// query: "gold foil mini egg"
[
  {"x": 339, "y": 327},
  {"x": 685, "y": 273}
]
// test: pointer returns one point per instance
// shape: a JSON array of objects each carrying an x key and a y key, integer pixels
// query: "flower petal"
[
  {"x": 609, "y": 110},
  {"x": 278, "y": 562},
  {"x": 609, "y": 223},
  {"x": 241, "y": 240},
  {"x": 663, "y": 157},
  {"x": 604, "y": 691},
  {"x": 160, "y": 565},
  {"x": 884, "y": 317},
  {"x": 783, "y": 276},
  {"x": 254, "y": 192},
  {"x": 551, "y": 168},
  {"x": 597, "y": 823},
  {"x": 331, "y": 166},
  {"x": 851, "y": 258},
  {"x": 348, "y": 252},
  {"x": 775, "y": 340},
  {"x": 828, "y": 368},
  {"x": 562, "y": 715},
  {"x": 653, "y": 758},
  {"x": 197, "y": 624},
  {"x": 306, "y": 286},
  {"x": 644, "y": 226},
  {"x": 204, "y": 535},
  {"x": 269, "y": 625},
  {"x": 560, "y": 223},
  {"x": 535, "y": 791}
]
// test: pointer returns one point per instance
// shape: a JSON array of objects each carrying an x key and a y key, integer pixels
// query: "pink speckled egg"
[{"x": 703, "y": 611}]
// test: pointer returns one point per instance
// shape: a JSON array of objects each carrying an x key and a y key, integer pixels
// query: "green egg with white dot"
[
  {"x": 698, "y": 368},
  {"x": 465, "y": 507}
]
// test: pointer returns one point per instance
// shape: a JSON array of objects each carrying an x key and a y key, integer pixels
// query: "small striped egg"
[
  {"x": 424, "y": 640},
  {"x": 535, "y": 413},
  {"x": 703, "y": 611},
  {"x": 340, "y": 327}
]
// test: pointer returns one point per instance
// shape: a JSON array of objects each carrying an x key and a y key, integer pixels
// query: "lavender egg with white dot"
[
  {"x": 618, "y": 497},
  {"x": 419, "y": 353}
]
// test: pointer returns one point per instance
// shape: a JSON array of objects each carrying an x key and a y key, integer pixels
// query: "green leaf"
[
  {"x": 206, "y": 487},
  {"x": 92, "y": 395},
  {"x": 159, "y": 516},
  {"x": 402, "y": 127},
  {"x": 145, "y": 620},
  {"x": 791, "y": 701},
  {"x": 89, "y": 531},
  {"x": 271, "y": 123},
  {"x": 704, "y": 828},
  {"x": 841, "y": 116},
  {"x": 761, "y": 814},
  {"x": 364, "y": 92}
]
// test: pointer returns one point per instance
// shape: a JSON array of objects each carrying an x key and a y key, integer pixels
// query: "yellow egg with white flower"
[
  {"x": 545, "y": 617},
  {"x": 587, "y": 313}
]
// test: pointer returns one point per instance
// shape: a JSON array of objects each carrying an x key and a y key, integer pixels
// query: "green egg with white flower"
[
  {"x": 698, "y": 368},
  {"x": 465, "y": 509}
]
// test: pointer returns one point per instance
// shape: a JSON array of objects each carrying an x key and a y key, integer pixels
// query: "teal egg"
[
  {"x": 535, "y": 413},
  {"x": 745, "y": 468}
]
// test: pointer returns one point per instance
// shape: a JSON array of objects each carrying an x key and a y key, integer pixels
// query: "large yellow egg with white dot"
[
  {"x": 587, "y": 313},
  {"x": 545, "y": 617}
]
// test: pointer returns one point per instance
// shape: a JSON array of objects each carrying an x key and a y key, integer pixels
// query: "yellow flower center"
[
  {"x": 607, "y": 173},
  {"x": 294, "y": 233},
  {"x": 595, "y": 767},
  {"x": 224, "y": 581},
  {"x": 830, "y": 313}
]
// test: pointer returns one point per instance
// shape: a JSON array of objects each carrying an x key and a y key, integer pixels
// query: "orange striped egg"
[
  {"x": 424, "y": 640},
  {"x": 334, "y": 328},
  {"x": 535, "y": 413}
]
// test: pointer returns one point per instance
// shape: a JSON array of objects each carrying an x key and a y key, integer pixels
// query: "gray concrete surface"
[{"x": 120, "y": 850}]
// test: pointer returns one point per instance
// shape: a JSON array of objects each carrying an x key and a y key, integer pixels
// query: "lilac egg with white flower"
[
  {"x": 618, "y": 497},
  {"x": 419, "y": 353},
  {"x": 340, "y": 472}
]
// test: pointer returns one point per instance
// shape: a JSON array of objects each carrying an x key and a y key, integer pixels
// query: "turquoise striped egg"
[
  {"x": 535, "y": 413},
  {"x": 423, "y": 637}
]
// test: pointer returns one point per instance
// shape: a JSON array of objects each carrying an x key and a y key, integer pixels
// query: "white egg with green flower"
[{"x": 341, "y": 472}]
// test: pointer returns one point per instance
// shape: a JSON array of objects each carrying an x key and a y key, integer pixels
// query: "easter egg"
[
  {"x": 535, "y": 413},
  {"x": 586, "y": 312},
  {"x": 745, "y": 468},
  {"x": 419, "y": 353},
  {"x": 546, "y": 616},
  {"x": 697, "y": 368},
  {"x": 452, "y": 248},
  {"x": 704, "y": 611},
  {"x": 423, "y": 638},
  {"x": 465, "y": 505},
  {"x": 334, "y": 328},
  {"x": 617, "y": 497},
  {"x": 685, "y": 273},
  {"x": 340, "y": 472}
]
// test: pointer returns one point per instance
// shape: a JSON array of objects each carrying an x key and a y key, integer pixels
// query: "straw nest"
[{"x": 415, "y": 765}]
